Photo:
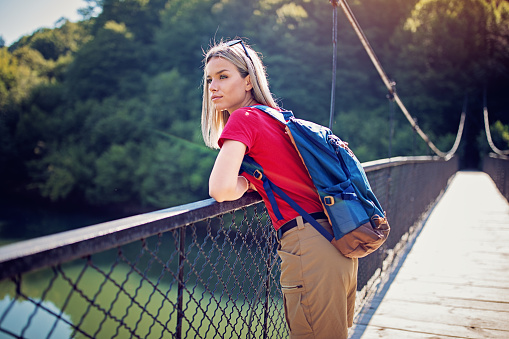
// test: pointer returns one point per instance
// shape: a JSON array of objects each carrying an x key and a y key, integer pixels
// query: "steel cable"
[
  {"x": 488, "y": 135},
  {"x": 389, "y": 84},
  {"x": 334, "y": 59}
]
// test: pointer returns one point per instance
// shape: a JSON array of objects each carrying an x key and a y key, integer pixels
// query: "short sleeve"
[{"x": 239, "y": 127}]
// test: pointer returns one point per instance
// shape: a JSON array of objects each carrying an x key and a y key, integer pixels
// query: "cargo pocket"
[
  {"x": 292, "y": 286},
  {"x": 295, "y": 313}
]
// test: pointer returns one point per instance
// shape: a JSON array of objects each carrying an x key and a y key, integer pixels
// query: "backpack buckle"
[
  {"x": 328, "y": 200},
  {"x": 258, "y": 175}
]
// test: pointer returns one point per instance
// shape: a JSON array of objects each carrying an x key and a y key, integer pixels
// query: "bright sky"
[{"x": 22, "y": 17}]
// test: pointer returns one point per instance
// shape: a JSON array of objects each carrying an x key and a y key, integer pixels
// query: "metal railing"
[
  {"x": 202, "y": 270},
  {"x": 497, "y": 166}
]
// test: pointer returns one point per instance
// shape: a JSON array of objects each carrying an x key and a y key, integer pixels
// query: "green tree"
[
  {"x": 8, "y": 82},
  {"x": 110, "y": 64},
  {"x": 186, "y": 29},
  {"x": 57, "y": 42},
  {"x": 8, "y": 71},
  {"x": 141, "y": 17},
  {"x": 178, "y": 173},
  {"x": 63, "y": 170},
  {"x": 449, "y": 53},
  {"x": 107, "y": 110},
  {"x": 115, "y": 179}
]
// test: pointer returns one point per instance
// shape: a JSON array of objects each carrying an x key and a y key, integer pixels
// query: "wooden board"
[{"x": 454, "y": 281}]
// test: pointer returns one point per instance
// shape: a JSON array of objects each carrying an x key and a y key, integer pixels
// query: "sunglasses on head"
[{"x": 238, "y": 41}]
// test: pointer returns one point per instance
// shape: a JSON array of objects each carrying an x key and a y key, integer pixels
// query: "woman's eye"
[
  {"x": 222, "y": 76},
  {"x": 209, "y": 80}
]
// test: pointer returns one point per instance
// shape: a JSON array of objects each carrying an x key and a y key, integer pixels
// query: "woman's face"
[{"x": 227, "y": 89}]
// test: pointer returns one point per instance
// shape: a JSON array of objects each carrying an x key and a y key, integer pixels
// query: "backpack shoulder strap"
[
  {"x": 253, "y": 168},
  {"x": 281, "y": 116}
]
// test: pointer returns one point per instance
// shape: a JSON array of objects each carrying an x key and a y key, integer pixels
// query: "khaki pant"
[{"x": 318, "y": 283}]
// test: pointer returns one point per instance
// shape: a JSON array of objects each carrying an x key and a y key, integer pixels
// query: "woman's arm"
[{"x": 225, "y": 184}]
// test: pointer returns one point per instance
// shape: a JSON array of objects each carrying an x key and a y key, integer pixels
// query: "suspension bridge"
[
  {"x": 211, "y": 270},
  {"x": 451, "y": 280}
]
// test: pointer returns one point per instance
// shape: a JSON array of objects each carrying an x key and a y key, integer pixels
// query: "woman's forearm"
[
  {"x": 230, "y": 192},
  {"x": 225, "y": 184}
]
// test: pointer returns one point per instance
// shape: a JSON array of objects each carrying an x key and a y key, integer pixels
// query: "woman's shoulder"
[
  {"x": 246, "y": 109},
  {"x": 250, "y": 111}
]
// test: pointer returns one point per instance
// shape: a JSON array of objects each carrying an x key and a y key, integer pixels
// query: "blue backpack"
[{"x": 357, "y": 219}]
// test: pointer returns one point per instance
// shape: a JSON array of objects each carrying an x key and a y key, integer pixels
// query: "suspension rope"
[
  {"x": 334, "y": 59},
  {"x": 390, "y": 97},
  {"x": 488, "y": 134},
  {"x": 358, "y": 30}
]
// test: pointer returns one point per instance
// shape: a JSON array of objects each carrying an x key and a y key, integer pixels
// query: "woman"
[{"x": 317, "y": 281}]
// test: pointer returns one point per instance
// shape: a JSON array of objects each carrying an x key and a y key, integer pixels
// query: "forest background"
[{"x": 105, "y": 112}]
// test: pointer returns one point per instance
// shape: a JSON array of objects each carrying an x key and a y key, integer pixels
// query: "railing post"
[
  {"x": 180, "y": 300},
  {"x": 267, "y": 288}
]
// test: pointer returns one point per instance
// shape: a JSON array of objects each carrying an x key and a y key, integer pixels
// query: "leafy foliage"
[{"x": 106, "y": 111}]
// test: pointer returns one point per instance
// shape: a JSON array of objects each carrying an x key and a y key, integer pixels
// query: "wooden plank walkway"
[{"x": 453, "y": 281}]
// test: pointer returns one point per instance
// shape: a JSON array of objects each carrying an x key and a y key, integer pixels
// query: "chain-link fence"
[
  {"x": 497, "y": 166},
  {"x": 203, "y": 270}
]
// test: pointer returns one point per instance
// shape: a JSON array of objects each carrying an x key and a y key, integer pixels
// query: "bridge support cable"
[
  {"x": 494, "y": 148},
  {"x": 488, "y": 135},
  {"x": 390, "y": 86},
  {"x": 390, "y": 97},
  {"x": 334, "y": 59}
]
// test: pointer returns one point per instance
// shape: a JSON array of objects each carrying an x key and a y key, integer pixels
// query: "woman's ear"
[{"x": 249, "y": 86}]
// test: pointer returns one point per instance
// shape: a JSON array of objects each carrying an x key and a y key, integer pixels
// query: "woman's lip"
[{"x": 214, "y": 97}]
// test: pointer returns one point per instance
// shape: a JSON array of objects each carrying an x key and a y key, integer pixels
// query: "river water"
[{"x": 19, "y": 221}]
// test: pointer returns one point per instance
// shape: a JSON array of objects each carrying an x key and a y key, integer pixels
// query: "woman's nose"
[{"x": 212, "y": 86}]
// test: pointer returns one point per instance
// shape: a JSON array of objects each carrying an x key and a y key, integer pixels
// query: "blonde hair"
[{"x": 212, "y": 120}]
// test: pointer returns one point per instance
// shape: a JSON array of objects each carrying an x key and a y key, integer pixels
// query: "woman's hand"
[{"x": 225, "y": 184}]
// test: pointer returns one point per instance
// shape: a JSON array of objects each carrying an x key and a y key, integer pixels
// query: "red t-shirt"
[{"x": 269, "y": 145}]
